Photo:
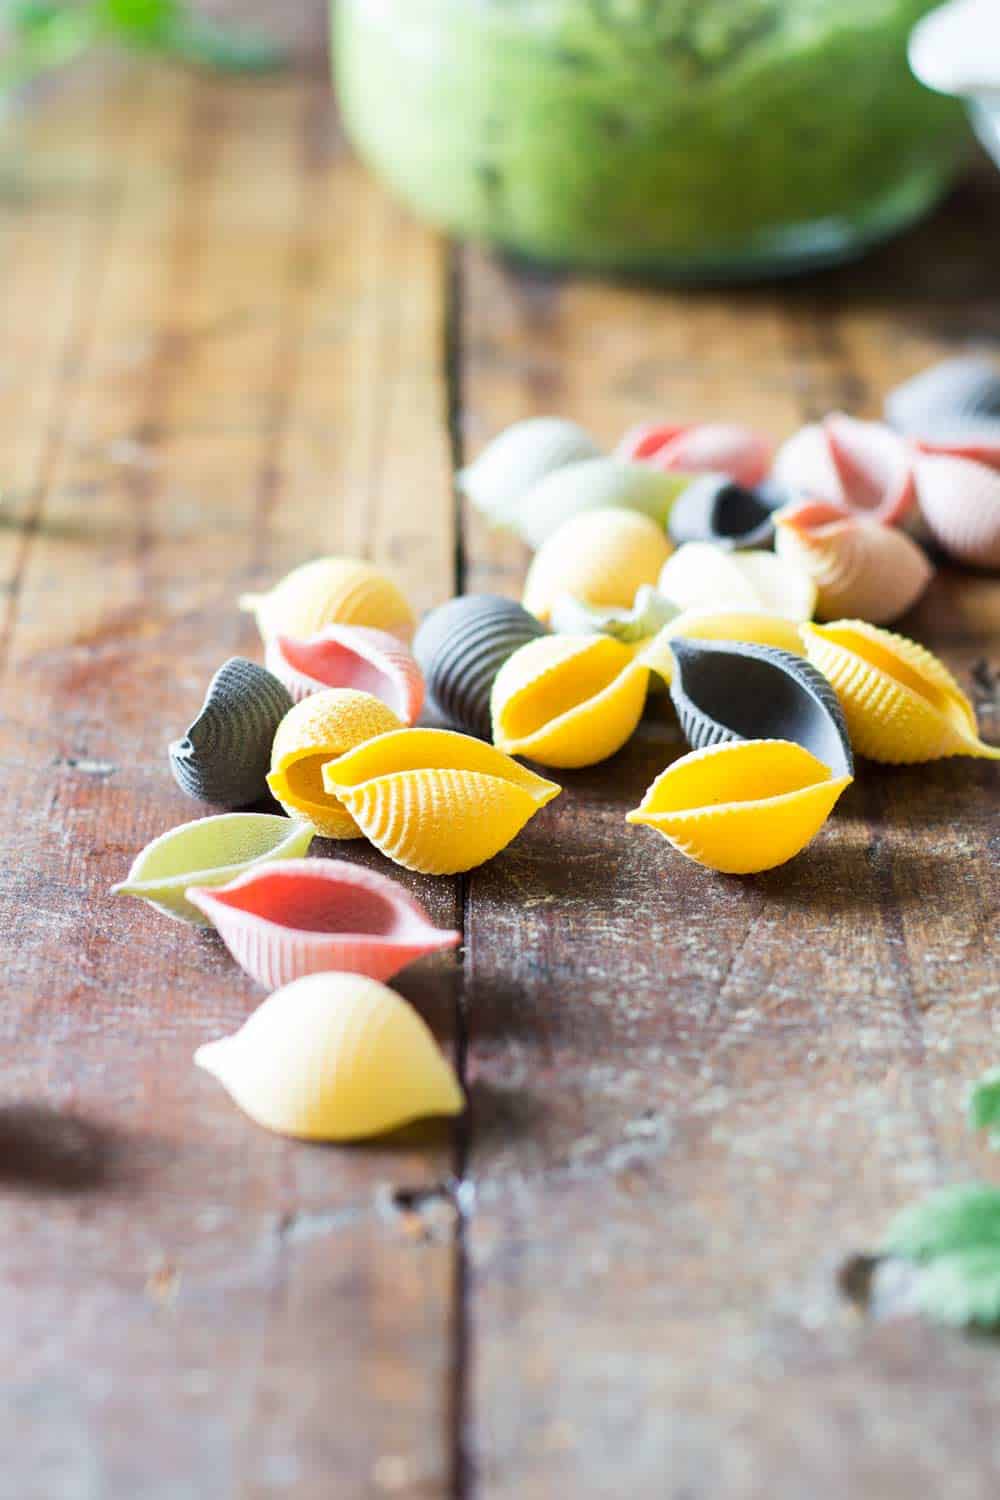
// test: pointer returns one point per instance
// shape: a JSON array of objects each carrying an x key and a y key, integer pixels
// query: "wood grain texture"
[
  {"x": 222, "y": 351},
  {"x": 715, "y": 1089},
  {"x": 203, "y": 377}
]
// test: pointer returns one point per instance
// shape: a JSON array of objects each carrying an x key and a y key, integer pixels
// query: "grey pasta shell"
[
  {"x": 714, "y": 508},
  {"x": 461, "y": 646},
  {"x": 226, "y": 753},
  {"x": 733, "y": 690},
  {"x": 954, "y": 399}
]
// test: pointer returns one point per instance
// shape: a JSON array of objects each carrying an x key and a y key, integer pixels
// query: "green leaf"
[
  {"x": 962, "y": 1289},
  {"x": 984, "y": 1106},
  {"x": 146, "y": 22},
  {"x": 955, "y": 1219}
]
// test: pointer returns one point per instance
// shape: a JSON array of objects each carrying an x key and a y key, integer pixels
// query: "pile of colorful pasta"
[{"x": 691, "y": 560}]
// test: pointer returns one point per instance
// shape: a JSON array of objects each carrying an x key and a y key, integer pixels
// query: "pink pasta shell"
[
  {"x": 309, "y": 916},
  {"x": 350, "y": 656},
  {"x": 861, "y": 568},
  {"x": 960, "y": 504},
  {"x": 700, "y": 447},
  {"x": 864, "y": 467},
  {"x": 980, "y": 448}
]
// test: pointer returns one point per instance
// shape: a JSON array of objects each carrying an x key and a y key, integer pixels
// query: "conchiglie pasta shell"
[
  {"x": 953, "y": 398},
  {"x": 331, "y": 591},
  {"x": 320, "y": 728},
  {"x": 351, "y": 656},
  {"x": 461, "y": 647},
  {"x": 601, "y": 557},
  {"x": 436, "y": 801},
  {"x": 902, "y": 705},
  {"x": 864, "y": 467},
  {"x": 209, "y": 852},
  {"x": 861, "y": 568},
  {"x": 730, "y": 690},
  {"x": 224, "y": 755},
  {"x": 309, "y": 916},
  {"x": 568, "y": 701},
  {"x": 517, "y": 459},
  {"x": 960, "y": 503},
  {"x": 594, "y": 485},
  {"x": 334, "y": 1057},
  {"x": 700, "y": 447},
  {"x": 742, "y": 807},
  {"x": 752, "y": 626},
  {"x": 700, "y": 576}
]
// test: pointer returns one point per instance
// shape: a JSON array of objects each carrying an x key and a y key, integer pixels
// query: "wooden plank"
[
  {"x": 696, "y": 1096},
  {"x": 203, "y": 376}
]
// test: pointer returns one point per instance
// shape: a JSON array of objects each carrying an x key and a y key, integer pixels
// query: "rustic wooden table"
[{"x": 223, "y": 350}]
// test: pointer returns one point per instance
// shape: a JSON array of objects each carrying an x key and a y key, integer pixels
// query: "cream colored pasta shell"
[
  {"x": 601, "y": 557},
  {"x": 334, "y": 1057},
  {"x": 702, "y": 577},
  {"x": 331, "y": 591}
]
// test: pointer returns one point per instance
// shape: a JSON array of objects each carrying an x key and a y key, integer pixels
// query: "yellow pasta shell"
[
  {"x": 741, "y": 807},
  {"x": 599, "y": 557},
  {"x": 568, "y": 700},
  {"x": 901, "y": 703},
  {"x": 758, "y": 629},
  {"x": 436, "y": 801},
  {"x": 334, "y": 1057},
  {"x": 331, "y": 591},
  {"x": 315, "y": 731}
]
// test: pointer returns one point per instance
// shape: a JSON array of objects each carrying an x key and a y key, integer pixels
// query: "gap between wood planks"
[{"x": 461, "y": 1442}]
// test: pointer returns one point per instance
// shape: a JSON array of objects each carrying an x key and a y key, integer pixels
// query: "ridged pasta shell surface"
[
  {"x": 225, "y": 753},
  {"x": 208, "y": 852},
  {"x": 860, "y": 466},
  {"x": 860, "y": 568},
  {"x": 594, "y": 485},
  {"x": 742, "y": 807},
  {"x": 952, "y": 398},
  {"x": 729, "y": 690},
  {"x": 436, "y": 801},
  {"x": 700, "y": 447},
  {"x": 334, "y": 1057},
  {"x": 700, "y": 576},
  {"x": 650, "y": 611},
  {"x": 350, "y": 656},
  {"x": 754, "y": 626},
  {"x": 310, "y": 916},
  {"x": 602, "y": 557},
  {"x": 517, "y": 459},
  {"x": 569, "y": 701},
  {"x": 901, "y": 703},
  {"x": 461, "y": 647},
  {"x": 317, "y": 730},
  {"x": 331, "y": 591},
  {"x": 732, "y": 516},
  {"x": 960, "y": 503}
]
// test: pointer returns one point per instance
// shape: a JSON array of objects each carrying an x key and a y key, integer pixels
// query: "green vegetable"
[
  {"x": 956, "y": 1218},
  {"x": 962, "y": 1289},
  {"x": 48, "y": 34},
  {"x": 984, "y": 1106},
  {"x": 954, "y": 1238}
]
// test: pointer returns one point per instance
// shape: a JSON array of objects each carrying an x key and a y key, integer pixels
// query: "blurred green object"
[{"x": 49, "y": 34}]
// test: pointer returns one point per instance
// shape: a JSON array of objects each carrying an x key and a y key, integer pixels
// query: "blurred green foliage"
[{"x": 48, "y": 34}]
